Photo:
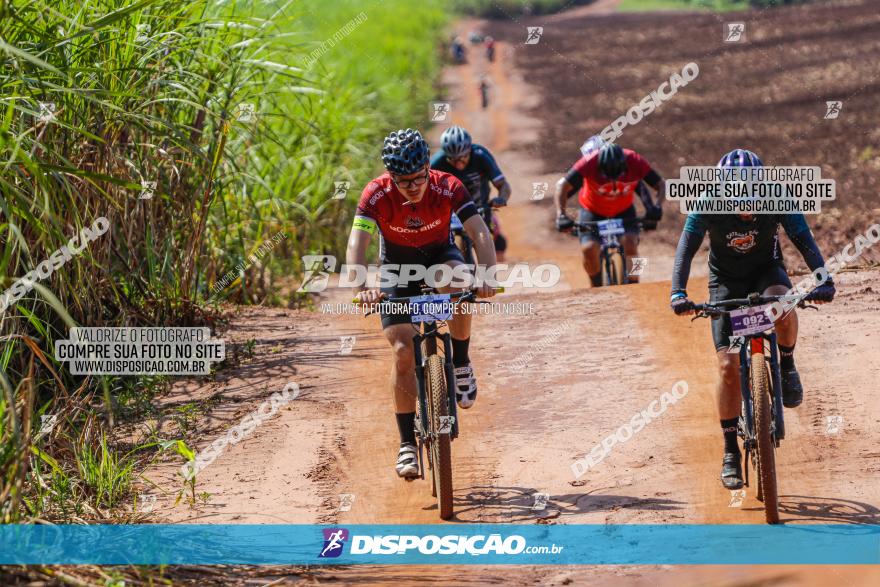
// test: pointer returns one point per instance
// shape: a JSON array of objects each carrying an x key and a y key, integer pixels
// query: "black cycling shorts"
[
  {"x": 448, "y": 253},
  {"x": 723, "y": 288},
  {"x": 593, "y": 235}
]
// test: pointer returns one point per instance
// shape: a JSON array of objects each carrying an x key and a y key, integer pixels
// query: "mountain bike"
[
  {"x": 761, "y": 422},
  {"x": 460, "y": 236},
  {"x": 612, "y": 257},
  {"x": 436, "y": 407}
]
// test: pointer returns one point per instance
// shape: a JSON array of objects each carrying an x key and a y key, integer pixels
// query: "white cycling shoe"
[
  {"x": 407, "y": 461},
  {"x": 466, "y": 386}
]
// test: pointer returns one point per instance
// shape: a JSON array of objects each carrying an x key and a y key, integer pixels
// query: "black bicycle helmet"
[
  {"x": 455, "y": 142},
  {"x": 405, "y": 152},
  {"x": 612, "y": 161}
]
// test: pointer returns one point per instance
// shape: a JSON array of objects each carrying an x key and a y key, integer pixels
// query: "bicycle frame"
[
  {"x": 752, "y": 344},
  {"x": 468, "y": 253}
]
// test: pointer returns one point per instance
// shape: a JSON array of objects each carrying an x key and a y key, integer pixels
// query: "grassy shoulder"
[{"x": 211, "y": 138}]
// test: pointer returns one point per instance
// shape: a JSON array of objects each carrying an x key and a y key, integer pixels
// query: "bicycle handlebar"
[
  {"x": 721, "y": 307},
  {"x": 459, "y": 297},
  {"x": 625, "y": 221}
]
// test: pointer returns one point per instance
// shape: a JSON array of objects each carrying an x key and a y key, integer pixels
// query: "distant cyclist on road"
[
  {"x": 608, "y": 178},
  {"x": 411, "y": 206},
  {"x": 476, "y": 168},
  {"x": 456, "y": 48},
  {"x": 745, "y": 257}
]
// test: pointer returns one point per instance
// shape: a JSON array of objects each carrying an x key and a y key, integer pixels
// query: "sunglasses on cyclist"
[
  {"x": 460, "y": 159},
  {"x": 408, "y": 184}
]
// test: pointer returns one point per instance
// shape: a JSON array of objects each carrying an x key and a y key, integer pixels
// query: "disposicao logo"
[{"x": 334, "y": 539}]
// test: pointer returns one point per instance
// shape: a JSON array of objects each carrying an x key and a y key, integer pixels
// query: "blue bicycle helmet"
[
  {"x": 740, "y": 158},
  {"x": 455, "y": 142},
  {"x": 405, "y": 152}
]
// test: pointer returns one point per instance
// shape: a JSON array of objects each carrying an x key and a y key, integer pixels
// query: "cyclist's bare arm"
[
  {"x": 660, "y": 188},
  {"x": 687, "y": 248},
  {"x": 503, "y": 188},
  {"x": 356, "y": 255},
  {"x": 484, "y": 246},
  {"x": 561, "y": 195}
]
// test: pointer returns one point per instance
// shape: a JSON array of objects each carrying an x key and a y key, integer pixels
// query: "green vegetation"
[{"x": 200, "y": 130}]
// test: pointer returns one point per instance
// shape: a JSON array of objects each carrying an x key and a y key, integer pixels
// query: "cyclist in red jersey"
[
  {"x": 608, "y": 180},
  {"x": 411, "y": 206}
]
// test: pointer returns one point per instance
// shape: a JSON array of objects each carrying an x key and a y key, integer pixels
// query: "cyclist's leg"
[
  {"x": 590, "y": 248},
  {"x": 775, "y": 281},
  {"x": 498, "y": 238},
  {"x": 460, "y": 331},
  {"x": 728, "y": 394},
  {"x": 630, "y": 242},
  {"x": 403, "y": 378},
  {"x": 398, "y": 331}
]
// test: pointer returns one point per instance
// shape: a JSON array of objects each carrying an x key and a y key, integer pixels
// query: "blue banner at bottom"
[{"x": 631, "y": 544}]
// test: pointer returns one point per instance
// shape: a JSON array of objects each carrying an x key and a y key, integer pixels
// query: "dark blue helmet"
[
  {"x": 740, "y": 158},
  {"x": 405, "y": 152},
  {"x": 612, "y": 160}
]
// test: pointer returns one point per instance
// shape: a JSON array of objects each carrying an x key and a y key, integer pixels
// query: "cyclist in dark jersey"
[
  {"x": 410, "y": 207},
  {"x": 476, "y": 168},
  {"x": 745, "y": 257},
  {"x": 607, "y": 178}
]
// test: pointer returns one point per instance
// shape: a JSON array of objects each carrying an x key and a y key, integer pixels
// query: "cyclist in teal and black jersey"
[{"x": 744, "y": 258}]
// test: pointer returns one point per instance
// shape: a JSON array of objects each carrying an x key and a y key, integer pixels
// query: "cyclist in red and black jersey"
[
  {"x": 608, "y": 179},
  {"x": 411, "y": 206}
]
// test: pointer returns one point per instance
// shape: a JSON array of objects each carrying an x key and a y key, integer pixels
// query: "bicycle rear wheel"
[
  {"x": 766, "y": 447},
  {"x": 441, "y": 445}
]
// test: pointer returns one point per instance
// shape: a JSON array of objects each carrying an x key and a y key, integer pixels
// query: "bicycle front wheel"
[
  {"x": 766, "y": 447},
  {"x": 441, "y": 444},
  {"x": 613, "y": 270}
]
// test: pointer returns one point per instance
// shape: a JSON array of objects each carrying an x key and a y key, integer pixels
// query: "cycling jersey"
[
  {"x": 412, "y": 233},
  {"x": 609, "y": 197},
  {"x": 739, "y": 248},
  {"x": 480, "y": 171},
  {"x": 744, "y": 257}
]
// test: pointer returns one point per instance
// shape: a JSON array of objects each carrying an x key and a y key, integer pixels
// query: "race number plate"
[
  {"x": 431, "y": 308},
  {"x": 751, "y": 320},
  {"x": 610, "y": 227}
]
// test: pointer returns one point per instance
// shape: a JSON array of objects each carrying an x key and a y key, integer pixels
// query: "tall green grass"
[{"x": 243, "y": 133}]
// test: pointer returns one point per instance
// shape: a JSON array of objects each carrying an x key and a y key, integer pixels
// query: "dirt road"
[{"x": 593, "y": 358}]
